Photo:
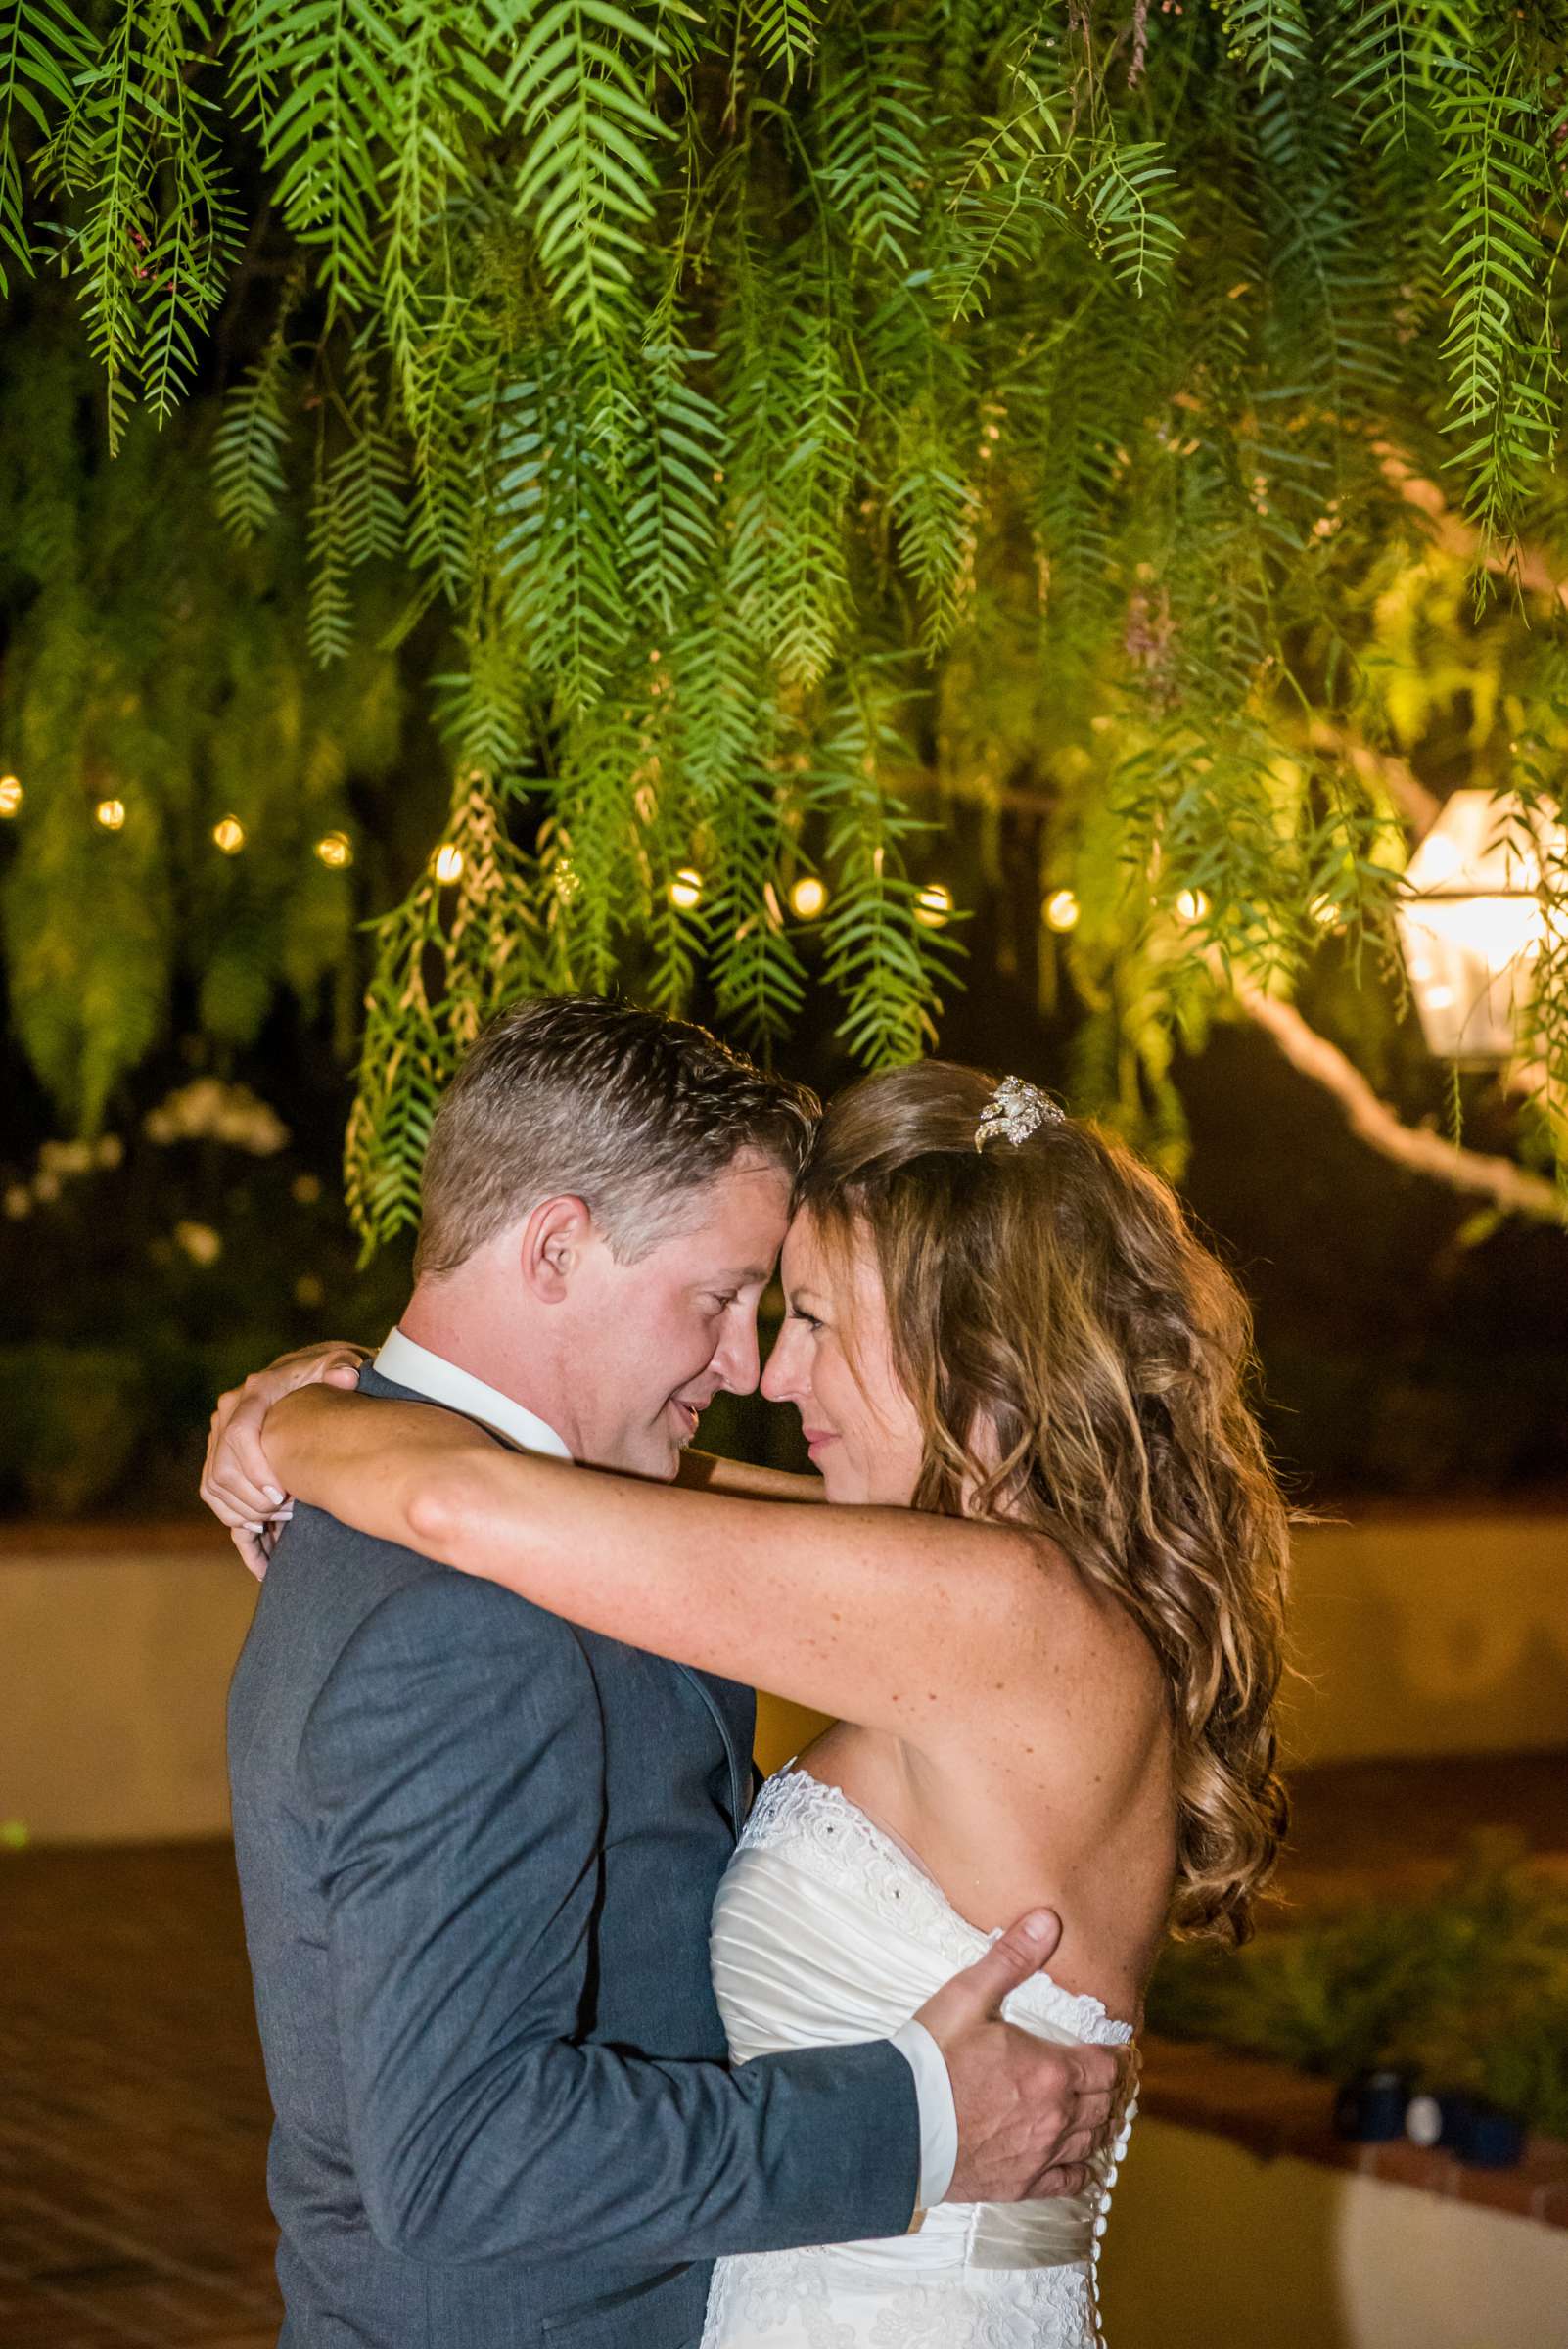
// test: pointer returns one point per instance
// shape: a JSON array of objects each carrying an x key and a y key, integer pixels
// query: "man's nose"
[{"x": 737, "y": 1359}]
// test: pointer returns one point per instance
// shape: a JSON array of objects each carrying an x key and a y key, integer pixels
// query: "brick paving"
[{"x": 133, "y": 2110}]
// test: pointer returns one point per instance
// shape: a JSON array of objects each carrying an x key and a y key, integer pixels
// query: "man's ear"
[{"x": 552, "y": 1245}]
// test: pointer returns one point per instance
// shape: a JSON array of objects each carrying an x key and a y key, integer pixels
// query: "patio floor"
[{"x": 133, "y": 2112}]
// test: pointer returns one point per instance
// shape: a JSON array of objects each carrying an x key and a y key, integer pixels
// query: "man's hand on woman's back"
[{"x": 1032, "y": 2112}]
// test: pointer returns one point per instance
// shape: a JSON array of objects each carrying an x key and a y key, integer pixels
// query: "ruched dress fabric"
[{"x": 827, "y": 1931}]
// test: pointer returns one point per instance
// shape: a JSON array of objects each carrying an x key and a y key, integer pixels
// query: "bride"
[{"x": 1044, "y": 1608}]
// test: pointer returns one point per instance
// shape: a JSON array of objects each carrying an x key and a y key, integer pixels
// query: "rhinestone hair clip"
[{"x": 1014, "y": 1110}]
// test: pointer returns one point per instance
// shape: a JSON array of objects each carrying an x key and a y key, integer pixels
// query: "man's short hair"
[{"x": 579, "y": 1096}]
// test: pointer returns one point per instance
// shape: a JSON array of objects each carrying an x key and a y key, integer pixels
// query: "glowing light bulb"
[
  {"x": 1191, "y": 906},
  {"x": 1062, "y": 910},
  {"x": 229, "y": 835},
  {"x": 11, "y": 795},
  {"x": 808, "y": 896},
  {"x": 1326, "y": 913},
  {"x": 335, "y": 850},
  {"x": 934, "y": 904},
  {"x": 449, "y": 863},
  {"x": 686, "y": 889},
  {"x": 110, "y": 813},
  {"x": 1441, "y": 858}
]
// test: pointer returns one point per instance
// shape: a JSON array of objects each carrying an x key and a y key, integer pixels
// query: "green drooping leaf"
[
  {"x": 588, "y": 175},
  {"x": 733, "y": 428},
  {"x": 43, "y": 46}
]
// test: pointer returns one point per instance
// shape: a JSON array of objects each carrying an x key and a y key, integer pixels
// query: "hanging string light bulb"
[
  {"x": 11, "y": 795},
  {"x": 449, "y": 862},
  {"x": 1191, "y": 906},
  {"x": 808, "y": 896},
  {"x": 686, "y": 889},
  {"x": 228, "y": 834},
  {"x": 336, "y": 851},
  {"x": 110, "y": 813},
  {"x": 933, "y": 906},
  {"x": 1061, "y": 911}
]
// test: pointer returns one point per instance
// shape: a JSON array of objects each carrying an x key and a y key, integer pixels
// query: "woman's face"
[{"x": 833, "y": 1361}]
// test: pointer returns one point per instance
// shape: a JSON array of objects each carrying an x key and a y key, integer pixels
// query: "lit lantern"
[
  {"x": 11, "y": 795},
  {"x": 808, "y": 896},
  {"x": 933, "y": 906},
  {"x": 1473, "y": 917},
  {"x": 686, "y": 889},
  {"x": 449, "y": 863}
]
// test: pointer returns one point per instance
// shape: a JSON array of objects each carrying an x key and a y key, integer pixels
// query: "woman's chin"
[{"x": 839, "y": 1481}]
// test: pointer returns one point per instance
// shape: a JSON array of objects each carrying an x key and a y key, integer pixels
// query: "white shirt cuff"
[{"x": 938, "y": 2115}]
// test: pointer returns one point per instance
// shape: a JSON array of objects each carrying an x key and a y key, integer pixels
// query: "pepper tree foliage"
[{"x": 745, "y": 417}]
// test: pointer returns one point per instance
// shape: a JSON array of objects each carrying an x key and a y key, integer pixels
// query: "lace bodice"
[{"x": 827, "y": 1931}]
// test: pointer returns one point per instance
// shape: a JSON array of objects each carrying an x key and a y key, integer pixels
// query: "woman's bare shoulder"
[{"x": 1058, "y": 1649}]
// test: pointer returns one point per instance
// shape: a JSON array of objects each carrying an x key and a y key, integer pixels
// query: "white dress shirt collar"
[{"x": 432, "y": 1375}]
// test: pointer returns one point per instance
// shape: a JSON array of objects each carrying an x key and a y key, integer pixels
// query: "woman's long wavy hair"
[{"x": 1080, "y": 1363}]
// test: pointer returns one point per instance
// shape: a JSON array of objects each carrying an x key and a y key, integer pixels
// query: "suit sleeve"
[{"x": 456, "y": 1758}]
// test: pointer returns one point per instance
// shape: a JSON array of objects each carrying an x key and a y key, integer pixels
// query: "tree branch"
[
  {"x": 1511, "y": 1187},
  {"x": 1526, "y": 566},
  {"x": 1381, "y": 768}
]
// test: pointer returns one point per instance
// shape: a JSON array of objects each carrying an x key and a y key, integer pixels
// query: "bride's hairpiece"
[{"x": 1014, "y": 1110}]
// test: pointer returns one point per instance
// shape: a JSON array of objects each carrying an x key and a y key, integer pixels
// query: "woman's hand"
[{"x": 238, "y": 1485}]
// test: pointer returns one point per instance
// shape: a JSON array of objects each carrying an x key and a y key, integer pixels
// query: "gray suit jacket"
[{"x": 477, "y": 1849}]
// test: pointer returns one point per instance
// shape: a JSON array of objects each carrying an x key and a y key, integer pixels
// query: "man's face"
[{"x": 660, "y": 1338}]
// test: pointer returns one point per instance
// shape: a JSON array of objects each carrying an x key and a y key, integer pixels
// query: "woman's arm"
[
  {"x": 739, "y": 1480},
  {"x": 887, "y": 1617}
]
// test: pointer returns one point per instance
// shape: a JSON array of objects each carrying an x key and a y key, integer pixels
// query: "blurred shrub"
[
  {"x": 1468, "y": 1988},
  {"x": 71, "y": 1417},
  {"x": 143, "y": 1273}
]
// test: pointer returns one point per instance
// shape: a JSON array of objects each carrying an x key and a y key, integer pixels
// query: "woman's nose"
[{"x": 782, "y": 1377}]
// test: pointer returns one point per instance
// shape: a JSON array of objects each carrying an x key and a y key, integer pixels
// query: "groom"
[{"x": 478, "y": 1847}]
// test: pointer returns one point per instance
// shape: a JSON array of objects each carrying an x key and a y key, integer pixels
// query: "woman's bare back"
[{"x": 1050, "y": 1784}]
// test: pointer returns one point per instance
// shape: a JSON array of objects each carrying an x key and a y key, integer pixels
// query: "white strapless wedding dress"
[{"x": 826, "y": 1931}]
